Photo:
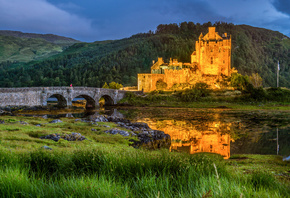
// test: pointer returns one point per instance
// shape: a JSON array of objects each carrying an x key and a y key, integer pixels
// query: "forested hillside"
[
  {"x": 25, "y": 47},
  {"x": 254, "y": 50}
]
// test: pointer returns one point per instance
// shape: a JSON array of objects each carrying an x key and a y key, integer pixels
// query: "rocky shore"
[{"x": 147, "y": 137}]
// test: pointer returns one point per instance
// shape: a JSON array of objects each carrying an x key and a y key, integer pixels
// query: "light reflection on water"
[
  {"x": 224, "y": 132},
  {"x": 188, "y": 138},
  {"x": 216, "y": 131}
]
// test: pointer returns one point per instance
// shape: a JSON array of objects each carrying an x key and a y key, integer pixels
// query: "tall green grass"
[{"x": 109, "y": 172}]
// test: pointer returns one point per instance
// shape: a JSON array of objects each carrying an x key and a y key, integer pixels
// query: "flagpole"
[
  {"x": 277, "y": 142},
  {"x": 278, "y": 68}
]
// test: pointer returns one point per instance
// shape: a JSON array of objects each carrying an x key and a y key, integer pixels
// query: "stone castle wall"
[
  {"x": 213, "y": 53},
  {"x": 209, "y": 62},
  {"x": 176, "y": 77},
  {"x": 147, "y": 82}
]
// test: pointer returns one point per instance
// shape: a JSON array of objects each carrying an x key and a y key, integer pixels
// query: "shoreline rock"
[
  {"x": 69, "y": 137},
  {"x": 147, "y": 137}
]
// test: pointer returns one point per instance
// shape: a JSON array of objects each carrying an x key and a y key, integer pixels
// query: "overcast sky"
[{"x": 96, "y": 20}]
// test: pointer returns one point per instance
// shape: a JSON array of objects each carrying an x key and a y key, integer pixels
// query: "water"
[{"x": 226, "y": 132}]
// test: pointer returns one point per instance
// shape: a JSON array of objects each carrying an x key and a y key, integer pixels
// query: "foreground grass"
[{"x": 105, "y": 166}]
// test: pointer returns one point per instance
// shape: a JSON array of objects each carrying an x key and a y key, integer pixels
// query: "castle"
[{"x": 210, "y": 62}]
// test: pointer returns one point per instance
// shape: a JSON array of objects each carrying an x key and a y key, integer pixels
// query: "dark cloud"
[
  {"x": 91, "y": 20},
  {"x": 198, "y": 10},
  {"x": 282, "y": 6},
  {"x": 42, "y": 17}
]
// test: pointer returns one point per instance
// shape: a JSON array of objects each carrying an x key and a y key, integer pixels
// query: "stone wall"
[
  {"x": 209, "y": 62},
  {"x": 147, "y": 82},
  {"x": 213, "y": 53},
  {"x": 20, "y": 97},
  {"x": 37, "y": 96}
]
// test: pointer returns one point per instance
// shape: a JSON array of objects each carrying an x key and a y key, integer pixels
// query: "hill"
[
  {"x": 25, "y": 47},
  {"x": 254, "y": 50},
  {"x": 61, "y": 40}
]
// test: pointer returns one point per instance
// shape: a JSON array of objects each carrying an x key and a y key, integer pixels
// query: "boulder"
[
  {"x": 286, "y": 158},
  {"x": 148, "y": 138},
  {"x": 55, "y": 137},
  {"x": 23, "y": 123},
  {"x": 152, "y": 139},
  {"x": 117, "y": 131},
  {"x": 55, "y": 121},
  {"x": 117, "y": 119},
  {"x": 46, "y": 147},
  {"x": 100, "y": 118},
  {"x": 69, "y": 137},
  {"x": 5, "y": 112},
  {"x": 140, "y": 125}
]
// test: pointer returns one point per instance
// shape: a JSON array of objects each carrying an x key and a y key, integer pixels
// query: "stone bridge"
[{"x": 37, "y": 96}]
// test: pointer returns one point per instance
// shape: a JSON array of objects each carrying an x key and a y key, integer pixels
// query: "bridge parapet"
[
  {"x": 20, "y": 89},
  {"x": 37, "y": 96}
]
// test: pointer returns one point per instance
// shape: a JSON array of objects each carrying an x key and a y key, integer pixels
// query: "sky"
[{"x": 97, "y": 20}]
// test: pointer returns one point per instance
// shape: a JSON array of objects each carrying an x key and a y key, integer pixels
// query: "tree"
[
  {"x": 256, "y": 80},
  {"x": 239, "y": 81},
  {"x": 195, "y": 93},
  {"x": 106, "y": 86},
  {"x": 114, "y": 85}
]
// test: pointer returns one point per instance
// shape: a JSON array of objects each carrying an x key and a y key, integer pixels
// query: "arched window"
[{"x": 211, "y": 60}]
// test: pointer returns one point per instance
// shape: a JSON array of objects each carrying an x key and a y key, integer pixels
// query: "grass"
[
  {"x": 267, "y": 164},
  {"x": 105, "y": 166},
  {"x": 215, "y": 100},
  {"x": 25, "y": 50}
]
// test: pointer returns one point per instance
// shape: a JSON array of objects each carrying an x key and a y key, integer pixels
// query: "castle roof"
[{"x": 212, "y": 35}]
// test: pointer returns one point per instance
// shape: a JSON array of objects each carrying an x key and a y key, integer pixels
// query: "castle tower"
[{"x": 213, "y": 53}]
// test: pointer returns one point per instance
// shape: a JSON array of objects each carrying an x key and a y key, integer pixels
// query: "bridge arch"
[
  {"x": 61, "y": 100},
  {"x": 90, "y": 101},
  {"x": 108, "y": 100}
]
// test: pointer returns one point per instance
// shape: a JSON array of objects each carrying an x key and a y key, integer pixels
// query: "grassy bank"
[
  {"x": 105, "y": 166},
  {"x": 272, "y": 99}
]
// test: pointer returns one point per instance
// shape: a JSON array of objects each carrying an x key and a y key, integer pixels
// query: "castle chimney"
[{"x": 211, "y": 32}]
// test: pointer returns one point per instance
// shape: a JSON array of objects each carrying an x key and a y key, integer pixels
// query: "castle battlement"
[{"x": 212, "y": 56}]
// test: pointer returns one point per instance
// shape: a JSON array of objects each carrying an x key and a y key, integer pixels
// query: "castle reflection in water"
[{"x": 212, "y": 137}]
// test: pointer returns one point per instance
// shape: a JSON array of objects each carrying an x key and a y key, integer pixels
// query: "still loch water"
[{"x": 223, "y": 131}]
